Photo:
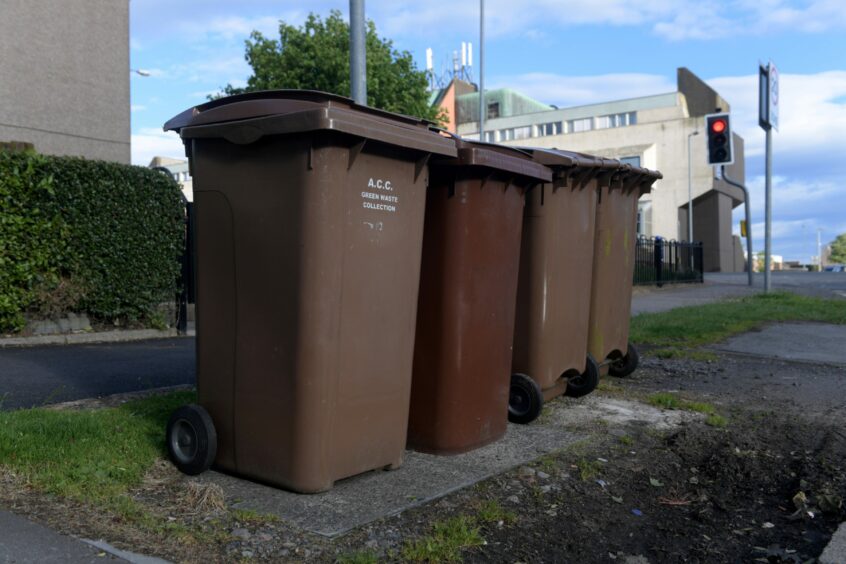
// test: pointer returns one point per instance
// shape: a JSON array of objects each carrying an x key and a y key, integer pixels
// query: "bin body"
[
  {"x": 465, "y": 321},
  {"x": 556, "y": 266},
  {"x": 613, "y": 261},
  {"x": 308, "y": 242}
]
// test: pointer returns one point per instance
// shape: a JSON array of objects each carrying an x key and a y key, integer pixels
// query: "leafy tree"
[
  {"x": 317, "y": 57},
  {"x": 838, "y": 249}
]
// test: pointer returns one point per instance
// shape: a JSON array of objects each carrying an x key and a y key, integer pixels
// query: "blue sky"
[{"x": 562, "y": 52}]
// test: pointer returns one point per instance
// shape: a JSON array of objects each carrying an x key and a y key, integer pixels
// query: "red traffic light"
[{"x": 718, "y": 126}]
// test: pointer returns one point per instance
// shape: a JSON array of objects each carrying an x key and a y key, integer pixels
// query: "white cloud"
[
  {"x": 151, "y": 142},
  {"x": 812, "y": 115},
  {"x": 137, "y": 108},
  {"x": 564, "y": 91},
  {"x": 674, "y": 20},
  {"x": 796, "y": 195},
  {"x": 236, "y": 27}
]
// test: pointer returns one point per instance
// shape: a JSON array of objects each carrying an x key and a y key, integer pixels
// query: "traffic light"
[{"x": 720, "y": 143}]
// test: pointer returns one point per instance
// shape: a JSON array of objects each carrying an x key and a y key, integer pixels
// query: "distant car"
[{"x": 835, "y": 268}]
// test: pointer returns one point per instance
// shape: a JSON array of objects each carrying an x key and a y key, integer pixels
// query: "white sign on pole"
[{"x": 773, "y": 95}]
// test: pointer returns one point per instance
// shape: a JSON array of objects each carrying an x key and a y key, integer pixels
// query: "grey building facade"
[{"x": 64, "y": 76}]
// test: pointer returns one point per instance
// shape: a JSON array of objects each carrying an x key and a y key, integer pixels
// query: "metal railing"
[{"x": 659, "y": 261}]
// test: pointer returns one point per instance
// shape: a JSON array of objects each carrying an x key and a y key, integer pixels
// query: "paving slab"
[
  {"x": 835, "y": 552},
  {"x": 811, "y": 342},
  {"x": 422, "y": 477},
  {"x": 22, "y": 541},
  {"x": 652, "y": 299}
]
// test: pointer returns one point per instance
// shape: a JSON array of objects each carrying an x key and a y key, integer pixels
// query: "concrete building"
[
  {"x": 650, "y": 131},
  {"x": 64, "y": 76},
  {"x": 178, "y": 169}
]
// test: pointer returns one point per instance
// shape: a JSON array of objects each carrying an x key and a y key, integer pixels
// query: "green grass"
[
  {"x": 588, "y": 468},
  {"x": 672, "y": 401},
  {"x": 254, "y": 518},
  {"x": 445, "y": 543},
  {"x": 699, "y": 325},
  {"x": 716, "y": 420},
  {"x": 626, "y": 440},
  {"x": 88, "y": 455},
  {"x": 490, "y": 511}
]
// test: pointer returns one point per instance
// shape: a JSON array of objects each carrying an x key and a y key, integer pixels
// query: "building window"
[
  {"x": 522, "y": 132},
  {"x": 577, "y": 125},
  {"x": 634, "y": 161},
  {"x": 493, "y": 110},
  {"x": 644, "y": 219},
  {"x": 490, "y": 136},
  {"x": 553, "y": 128},
  {"x": 616, "y": 120}
]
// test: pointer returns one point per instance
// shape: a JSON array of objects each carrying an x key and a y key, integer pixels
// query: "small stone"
[
  {"x": 513, "y": 499},
  {"x": 545, "y": 489},
  {"x": 525, "y": 471},
  {"x": 241, "y": 533},
  {"x": 247, "y": 553},
  {"x": 372, "y": 544},
  {"x": 543, "y": 475},
  {"x": 264, "y": 537}
]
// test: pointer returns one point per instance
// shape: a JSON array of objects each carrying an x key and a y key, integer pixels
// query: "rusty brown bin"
[
  {"x": 613, "y": 269},
  {"x": 553, "y": 297},
  {"x": 309, "y": 227},
  {"x": 468, "y": 287}
]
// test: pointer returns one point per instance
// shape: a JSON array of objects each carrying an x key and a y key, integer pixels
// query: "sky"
[{"x": 562, "y": 52}]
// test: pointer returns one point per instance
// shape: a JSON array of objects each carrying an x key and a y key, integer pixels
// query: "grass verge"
[
  {"x": 699, "y": 325},
  {"x": 87, "y": 455}
]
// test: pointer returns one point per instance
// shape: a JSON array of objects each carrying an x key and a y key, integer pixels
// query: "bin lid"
[
  {"x": 246, "y": 118},
  {"x": 570, "y": 165},
  {"x": 497, "y": 157}
]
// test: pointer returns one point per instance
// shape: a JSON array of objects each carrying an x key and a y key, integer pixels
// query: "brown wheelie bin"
[
  {"x": 613, "y": 269},
  {"x": 468, "y": 288},
  {"x": 553, "y": 296},
  {"x": 309, "y": 228}
]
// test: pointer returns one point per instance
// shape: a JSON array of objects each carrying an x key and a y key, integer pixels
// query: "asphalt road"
[{"x": 36, "y": 376}]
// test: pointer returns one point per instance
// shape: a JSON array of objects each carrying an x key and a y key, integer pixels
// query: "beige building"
[
  {"x": 179, "y": 170},
  {"x": 650, "y": 131},
  {"x": 64, "y": 76}
]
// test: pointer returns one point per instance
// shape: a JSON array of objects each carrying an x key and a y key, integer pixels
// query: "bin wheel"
[
  {"x": 584, "y": 383},
  {"x": 525, "y": 399},
  {"x": 191, "y": 439},
  {"x": 624, "y": 366}
]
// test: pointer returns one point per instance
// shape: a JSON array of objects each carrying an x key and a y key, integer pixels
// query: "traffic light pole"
[
  {"x": 747, "y": 206},
  {"x": 768, "y": 214}
]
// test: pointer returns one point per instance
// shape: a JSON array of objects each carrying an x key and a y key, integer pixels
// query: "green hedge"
[{"x": 88, "y": 236}]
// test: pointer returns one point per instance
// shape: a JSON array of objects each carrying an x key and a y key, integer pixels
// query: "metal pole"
[
  {"x": 747, "y": 206},
  {"x": 482, "y": 108},
  {"x": 819, "y": 249},
  {"x": 358, "y": 53},
  {"x": 768, "y": 214}
]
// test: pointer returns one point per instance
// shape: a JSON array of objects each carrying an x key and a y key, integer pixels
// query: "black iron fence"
[{"x": 659, "y": 261}]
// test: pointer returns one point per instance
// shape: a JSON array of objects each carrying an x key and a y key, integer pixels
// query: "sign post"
[{"x": 768, "y": 120}]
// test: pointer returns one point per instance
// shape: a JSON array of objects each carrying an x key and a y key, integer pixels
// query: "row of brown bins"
[{"x": 311, "y": 249}]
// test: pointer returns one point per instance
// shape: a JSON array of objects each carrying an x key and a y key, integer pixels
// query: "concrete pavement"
[{"x": 22, "y": 541}]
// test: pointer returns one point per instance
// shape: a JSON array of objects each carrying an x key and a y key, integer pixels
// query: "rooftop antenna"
[{"x": 429, "y": 68}]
